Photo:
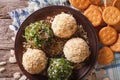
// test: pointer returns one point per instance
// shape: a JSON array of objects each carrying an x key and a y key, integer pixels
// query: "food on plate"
[
  {"x": 80, "y": 4},
  {"x": 108, "y": 35},
  {"x": 117, "y": 4},
  {"x": 34, "y": 61},
  {"x": 111, "y": 15},
  {"x": 64, "y": 25},
  {"x": 96, "y": 2},
  {"x": 56, "y": 48},
  {"x": 38, "y": 34},
  {"x": 59, "y": 69},
  {"x": 55, "y": 38},
  {"x": 116, "y": 46},
  {"x": 76, "y": 50},
  {"x": 94, "y": 15},
  {"x": 105, "y": 56}
]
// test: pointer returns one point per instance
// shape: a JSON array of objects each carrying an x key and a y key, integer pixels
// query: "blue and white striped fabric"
[{"x": 101, "y": 72}]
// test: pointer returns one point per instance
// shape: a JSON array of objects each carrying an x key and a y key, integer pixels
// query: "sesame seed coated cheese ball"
[
  {"x": 34, "y": 61},
  {"x": 64, "y": 25},
  {"x": 76, "y": 50}
]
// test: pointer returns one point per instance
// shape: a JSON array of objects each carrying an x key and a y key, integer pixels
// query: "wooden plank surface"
[
  {"x": 10, "y": 68},
  {"x": 8, "y": 5},
  {"x": 6, "y": 43}
]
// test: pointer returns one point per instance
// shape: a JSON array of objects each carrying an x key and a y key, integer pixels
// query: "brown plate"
[{"x": 50, "y": 11}]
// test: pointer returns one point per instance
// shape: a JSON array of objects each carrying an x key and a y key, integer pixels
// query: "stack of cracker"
[{"x": 107, "y": 15}]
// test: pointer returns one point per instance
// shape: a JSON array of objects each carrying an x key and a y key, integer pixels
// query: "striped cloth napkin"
[{"x": 101, "y": 72}]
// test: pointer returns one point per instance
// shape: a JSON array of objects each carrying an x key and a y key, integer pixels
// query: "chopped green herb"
[
  {"x": 59, "y": 69},
  {"x": 38, "y": 33}
]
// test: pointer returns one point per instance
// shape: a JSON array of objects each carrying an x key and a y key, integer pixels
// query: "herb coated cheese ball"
[
  {"x": 34, "y": 61},
  {"x": 76, "y": 50},
  {"x": 64, "y": 25}
]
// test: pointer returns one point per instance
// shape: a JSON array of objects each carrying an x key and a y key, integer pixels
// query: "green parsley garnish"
[
  {"x": 59, "y": 69},
  {"x": 38, "y": 33}
]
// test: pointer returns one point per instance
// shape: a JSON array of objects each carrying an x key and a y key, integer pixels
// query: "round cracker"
[
  {"x": 116, "y": 47},
  {"x": 108, "y": 35},
  {"x": 94, "y": 15},
  {"x": 111, "y": 15},
  {"x": 80, "y": 4},
  {"x": 105, "y": 56}
]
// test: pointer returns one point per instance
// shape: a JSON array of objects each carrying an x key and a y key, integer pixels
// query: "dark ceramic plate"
[{"x": 51, "y": 11}]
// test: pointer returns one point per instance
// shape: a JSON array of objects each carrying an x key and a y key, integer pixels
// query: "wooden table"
[{"x": 6, "y": 43}]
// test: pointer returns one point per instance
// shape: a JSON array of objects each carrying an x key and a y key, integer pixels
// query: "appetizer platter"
[{"x": 56, "y": 43}]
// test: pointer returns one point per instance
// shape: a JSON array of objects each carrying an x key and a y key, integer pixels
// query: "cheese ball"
[
  {"x": 64, "y": 25},
  {"x": 34, "y": 61},
  {"x": 76, "y": 50}
]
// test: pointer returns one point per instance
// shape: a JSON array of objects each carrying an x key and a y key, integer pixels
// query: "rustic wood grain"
[
  {"x": 9, "y": 5},
  {"x": 10, "y": 68},
  {"x": 6, "y": 42},
  {"x": 6, "y": 34}
]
